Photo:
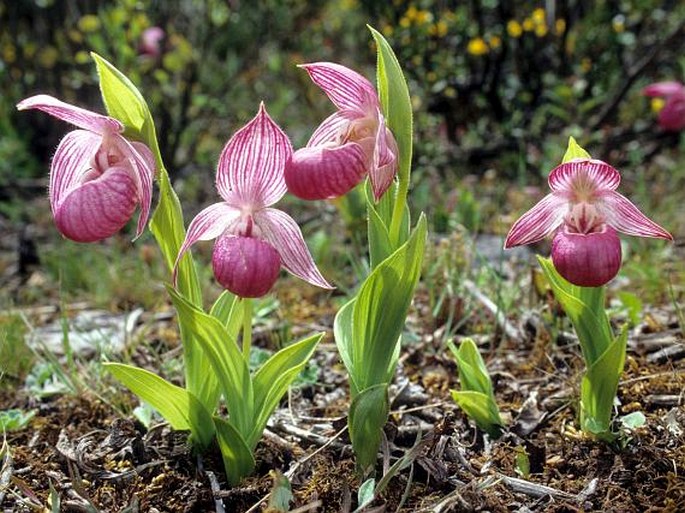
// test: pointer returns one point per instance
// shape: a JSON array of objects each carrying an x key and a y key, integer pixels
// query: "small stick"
[{"x": 501, "y": 319}]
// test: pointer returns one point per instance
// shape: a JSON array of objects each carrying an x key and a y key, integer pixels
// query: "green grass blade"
[{"x": 238, "y": 459}]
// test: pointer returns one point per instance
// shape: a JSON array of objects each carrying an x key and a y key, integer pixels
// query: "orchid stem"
[
  {"x": 398, "y": 211},
  {"x": 247, "y": 328}
]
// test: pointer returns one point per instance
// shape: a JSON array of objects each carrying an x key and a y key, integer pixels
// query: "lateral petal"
[
  {"x": 82, "y": 118},
  {"x": 282, "y": 232},
  {"x": 326, "y": 172},
  {"x": 71, "y": 163},
  {"x": 385, "y": 153},
  {"x": 538, "y": 222},
  {"x": 625, "y": 217},
  {"x": 207, "y": 225},
  {"x": 144, "y": 168},
  {"x": 583, "y": 174},
  {"x": 346, "y": 88},
  {"x": 250, "y": 170},
  {"x": 99, "y": 208}
]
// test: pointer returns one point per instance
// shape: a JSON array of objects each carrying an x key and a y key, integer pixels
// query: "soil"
[{"x": 81, "y": 453}]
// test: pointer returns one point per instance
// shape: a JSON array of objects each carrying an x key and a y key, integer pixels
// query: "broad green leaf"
[
  {"x": 366, "y": 494},
  {"x": 15, "y": 419},
  {"x": 473, "y": 374},
  {"x": 181, "y": 409},
  {"x": 226, "y": 360},
  {"x": 378, "y": 224},
  {"x": 281, "y": 494},
  {"x": 481, "y": 408},
  {"x": 368, "y": 414},
  {"x": 122, "y": 99},
  {"x": 599, "y": 385},
  {"x": 395, "y": 101},
  {"x": 238, "y": 459},
  {"x": 574, "y": 151},
  {"x": 273, "y": 378},
  {"x": 585, "y": 307},
  {"x": 344, "y": 340},
  {"x": 228, "y": 308},
  {"x": 381, "y": 309},
  {"x": 633, "y": 420}
]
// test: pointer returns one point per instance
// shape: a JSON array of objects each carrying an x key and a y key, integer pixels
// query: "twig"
[
  {"x": 533, "y": 489},
  {"x": 216, "y": 491},
  {"x": 303, "y": 434},
  {"x": 511, "y": 332}
]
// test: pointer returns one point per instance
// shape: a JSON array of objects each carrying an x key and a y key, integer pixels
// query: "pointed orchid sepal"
[
  {"x": 97, "y": 177},
  {"x": 253, "y": 240},
  {"x": 584, "y": 212},
  {"x": 349, "y": 145}
]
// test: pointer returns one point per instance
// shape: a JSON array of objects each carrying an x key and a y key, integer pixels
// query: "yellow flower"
[
  {"x": 619, "y": 23},
  {"x": 404, "y": 22},
  {"x": 423, "y": 17},
  {"x": 89, "y": 23},
  {"x": 539, "y": 15},
  {"x": 560, "y": 26},
  {"x": 477, "y": 46},
  {"x": 514, "y": 28},
  {"x": 657, "y": 104},
  {"x": 495, "y": 42},
  {"x": 439, "y": 29},
  {"x": 528, "y": 25},
  {"x": 541, "y": 30},
  {"x": 387, "y": 30},
  {"x": 411, "y": 13}
]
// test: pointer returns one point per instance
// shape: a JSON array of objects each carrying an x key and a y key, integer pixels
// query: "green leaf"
[
  {"x": 381, "y": 309},
  {"x": 344, "y": 340},
  {"x": 481, "y": 408},
  {"x": 473, "y": 374},
  {"x": 227, "y": 308},
  {"x": 378, "y": 224},
  {"x": 599, "y": 385},
  {"x": 226, "y": 360},
  {"x": 273, "y": 378},
  {"x": 181, "y": 409},
  {"x": 368, "y": 414},
  {"x": 395, "y": 101},
  {"x": 574, "y": 151},
  {"x": 633, "y": 420},
  {"x": 122, "y": 99},
  {"x": 366, "y": 493},
  {"x": 585, "y": 308},
  {"x": 238, "y": 459},
  {"x": 281, "y": 494},
  {"x": 15, "y": 419}
]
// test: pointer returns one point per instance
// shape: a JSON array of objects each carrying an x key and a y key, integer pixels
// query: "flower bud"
[
  {"x": 246, "y": 266},
  {"x": 587, "y": 260}
]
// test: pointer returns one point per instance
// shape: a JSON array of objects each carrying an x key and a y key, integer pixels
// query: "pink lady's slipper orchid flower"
[
  {"x": 672, "y": 115},
  {"x": 348, "y": 145},
  {"x": 253, "y": 240},
  {"x": 151, "y": 41},
  {"x": 97, "y": 176},
  {"x": 585, "y": 211}
]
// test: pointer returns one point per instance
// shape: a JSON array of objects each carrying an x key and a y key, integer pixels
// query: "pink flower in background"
[
  {"x": 672, "y": 115},
  {"x": 151, "y": 41},
  {"x": 97, "y": 176},
  {"x": 584, "y": 211},
  {"x": 253, "y": 240},
  {"x": 349, "y": 144}
]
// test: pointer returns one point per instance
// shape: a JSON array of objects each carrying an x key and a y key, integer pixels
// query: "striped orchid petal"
[
  {"x": 538, "y": 222},
  {"x": 82, "y": 118},
  {"x": 384, "y": 168},
  {"x": 625, "y": 217},
  {"x": 143, "y": 163},
  {"x": 583, "y": 176},
  {"x": 346, "y": 88},
  {"x": 71, "y": 164},
  {"x": 99, "y": 208},
  {"x": 207, "y": 225},
  {"x": 323, "y": 172},
  {"x": 250, "y": 170},
  {"x": 334, "y": 129},
  {"x": 282, "y": 232}
]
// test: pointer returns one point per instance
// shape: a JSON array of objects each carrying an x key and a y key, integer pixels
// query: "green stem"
[
  {"x": 398, "y": 210},
  {"x": 247, "y": 328}
]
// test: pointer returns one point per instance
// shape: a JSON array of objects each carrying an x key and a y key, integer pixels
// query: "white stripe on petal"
[
  {"x": 82, "y": 118},
  {"x": 346, "y": 88},
  {"x": 583, "y": 176},
  {"x": 625, "y": 217},
  {"x": 538, "y": 222}
]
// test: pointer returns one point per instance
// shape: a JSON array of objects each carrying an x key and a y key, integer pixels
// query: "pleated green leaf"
[
  {"x": 181, "y": 409},
  {"x": 368, "y": 414},
  {"x": 237, "y": 456},
  {"x": 481, "y": 408}
]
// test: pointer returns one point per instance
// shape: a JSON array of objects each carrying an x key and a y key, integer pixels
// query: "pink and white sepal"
[
  {"x": 97, "y": 177},
  {"x": 584, "y": 213}
]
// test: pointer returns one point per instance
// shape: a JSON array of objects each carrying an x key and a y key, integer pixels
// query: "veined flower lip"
[
  {"x": 72, "y": 168},
  {"x": 250, "y": 179}
]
